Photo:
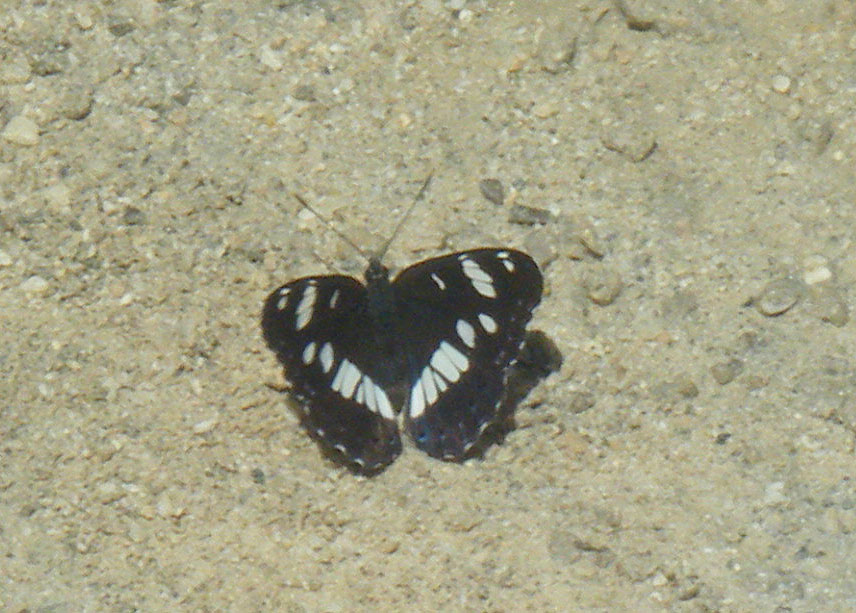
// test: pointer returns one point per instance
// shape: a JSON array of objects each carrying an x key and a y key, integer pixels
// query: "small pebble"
[
  {"x": 15, "y": 68},
  {"x": 685, "y": 386},
  {"x": 781, "y": 84},
  {"x": 589, "y": 239},
  {"x": 602, "y": 285},
  {"x": 108, "y": 492},
  {"x": 562, "y": 547},
  {"x": 528, "y": 215},
  {"x": 57, "y": 196},
  {"x": 574, "y": 250},
  {"x": 167, "y": 509},
  {"x": 21, "y": 131},
  {"x": 817, "y": 275},
  {"x": 830, "y": 306},
  {"x": 270, "y": 59},
  {"x": 774, "y": 493},
  {"x": 205, "y": 426},
  {"x": 49, "y": 58},
  {"x": 540, "y": 247},
  {"x": 84, "y": 21},
  {"x": 722, "y": 438},
  {"x": 304, "y": 93},
  {"x": 35, "y": 285},
  {"x": 630, "y": 140},
  {"x": 755, "y": 382},
  {"x": 119, "y": 26},
  {"x": 492, "y": 190},
  {"x": 76, "y": 103},
  {"x": 5, "y": 259},
  {"x": 579, "y": 402},
  {"x": 558, "y": 56},
  {"x": 132, "y": 216},
  {"x": 405, "y": 120},
  {"x": 779, "y": 296},
  {"x": 725, "y": 372},
  {"x": 545, "y": 110}
]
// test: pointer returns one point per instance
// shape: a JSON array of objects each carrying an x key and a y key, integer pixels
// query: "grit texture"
[{"x": 684, "y": 174}]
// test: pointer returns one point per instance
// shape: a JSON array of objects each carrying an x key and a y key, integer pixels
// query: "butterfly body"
[{"x": 434, "y": 344}]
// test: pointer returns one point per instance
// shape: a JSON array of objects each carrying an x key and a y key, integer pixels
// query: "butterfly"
[{"x": 434, "y": 344}]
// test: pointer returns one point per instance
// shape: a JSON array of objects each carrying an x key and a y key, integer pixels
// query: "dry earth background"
[{"x": 694, "y": 453}]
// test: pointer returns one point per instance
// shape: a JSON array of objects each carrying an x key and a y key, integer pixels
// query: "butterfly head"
[{"x": 376, "y": 274}]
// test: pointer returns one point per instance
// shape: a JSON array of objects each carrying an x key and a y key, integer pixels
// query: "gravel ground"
[{"x": 689, "y": 174}]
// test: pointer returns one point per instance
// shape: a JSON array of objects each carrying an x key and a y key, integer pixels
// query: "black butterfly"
[{"x": 438, "y": 340}]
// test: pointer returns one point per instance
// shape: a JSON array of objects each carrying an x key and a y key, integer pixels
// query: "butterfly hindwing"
[
  {"x": 467, "y": 312},
  {"x": 317, "y": 327}
]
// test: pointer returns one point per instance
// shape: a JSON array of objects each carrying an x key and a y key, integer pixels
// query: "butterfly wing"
[
  {"x": 469, "y": 312},
  {"x": 317, "y": 326}
]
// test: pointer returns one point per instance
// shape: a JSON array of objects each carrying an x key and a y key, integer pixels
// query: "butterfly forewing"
[
  {"x": 466, "y": 315},
  {"x": 322, "y": 332}
]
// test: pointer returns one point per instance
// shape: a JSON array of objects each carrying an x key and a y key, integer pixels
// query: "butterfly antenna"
[
  {"x": 330, "y": 225},
  {"x": 406, "y": 215}
]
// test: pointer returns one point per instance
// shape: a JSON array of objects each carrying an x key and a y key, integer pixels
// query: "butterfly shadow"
[{"x": 539, "y": 357}]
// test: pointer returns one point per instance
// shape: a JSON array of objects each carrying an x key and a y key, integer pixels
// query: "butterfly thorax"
[
  {"x": 384, "y": 333},
  {"x": 381, "y": 300}
]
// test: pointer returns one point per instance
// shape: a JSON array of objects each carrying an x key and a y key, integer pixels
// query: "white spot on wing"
[
  {"x": 482, "y": 282},
  {"x": 439, "y": 381},
  {"x": 371, "y": 399},
  {"x": 383, "y": 404},
  {"x": 334, "y": 299},
  {"x": 443, "y": 365},
  {"x": 466, "y": 332},
  {"x": 309, "y": 353},
  {"x": 326, "y": 357},
  {"x": 417, "y": 400},
  {"x": 458, "y": 358},
  {"x": 505, "y": 258},
  {"x": 487, "y": 322},
  {"x": 427, "y": 382},
  {"x": 352, "y": 377},
  {"x": 438, "y": 281},
  {"x": 446, "y": 364},
  {"x": 346, "y": 379},
  {"x": 306, "y": 305}
]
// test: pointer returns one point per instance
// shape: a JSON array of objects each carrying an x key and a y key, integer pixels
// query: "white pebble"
[
  {"x": 270, "y": 59},
  {"x": 5, "y": 258},
  {"x": 781, "y": 84},
  {"x": 205, "y": 426},
  {"x": 35, "y": 285},
  {"x": 817, "y": 275},
  {"x": 779, "y": 296},
  {"x": 84, "y": 21},
  {"x": 21, "y": 131},
  {"x": 774, "y": 493},
  {"x": 57, "y": 196}
]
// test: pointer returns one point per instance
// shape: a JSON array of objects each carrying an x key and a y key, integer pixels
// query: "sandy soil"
[{"x": 694, "y": 453}]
